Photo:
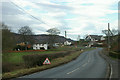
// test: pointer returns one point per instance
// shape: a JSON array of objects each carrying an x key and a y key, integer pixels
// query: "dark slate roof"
[{"x": 96, "y": 37}]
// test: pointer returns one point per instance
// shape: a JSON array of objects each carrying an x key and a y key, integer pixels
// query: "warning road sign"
[{"x": 47, "y": 61}]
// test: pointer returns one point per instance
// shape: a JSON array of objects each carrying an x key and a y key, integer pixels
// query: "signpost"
[{"x": 47, "y": 61}]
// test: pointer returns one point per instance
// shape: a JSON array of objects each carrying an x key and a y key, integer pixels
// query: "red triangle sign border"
[{"x": 46, "y": 60}]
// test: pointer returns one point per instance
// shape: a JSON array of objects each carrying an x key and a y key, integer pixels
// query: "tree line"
[
  {"x": 9, "y": 42},
  {"x": 8, "y": 39}
]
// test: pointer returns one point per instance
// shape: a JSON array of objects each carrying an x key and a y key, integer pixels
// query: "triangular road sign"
[{"x": 47, "y": 61}]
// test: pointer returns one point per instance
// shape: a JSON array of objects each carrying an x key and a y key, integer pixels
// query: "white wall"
[
  {"x": 38, "y": 46},
  {"x": 67, "y": 43},
  {"x": 102, "y": 38}
]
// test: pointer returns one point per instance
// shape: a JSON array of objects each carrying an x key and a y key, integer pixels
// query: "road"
[{"x": 88, "y": 65}]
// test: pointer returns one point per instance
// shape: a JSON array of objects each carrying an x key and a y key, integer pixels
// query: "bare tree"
[
  {"x": 26, "y": 35},
  {"x": 114, "y": 31},
  {"x": 111, "y": 32},
  {"x": 113, "y": 35},
  {"x": 53, "y": 32}
]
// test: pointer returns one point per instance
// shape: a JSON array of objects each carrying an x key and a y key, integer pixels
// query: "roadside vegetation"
[
  {"x": 8, "y": 41},
  {"x": 114, "y": 43},
  {"x": 115, "y": 48}
]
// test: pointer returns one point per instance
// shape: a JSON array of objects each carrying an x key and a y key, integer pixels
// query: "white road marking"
[
  {"x": 89, "y": 58},
  {"x": 72, "y": 71},
  {"x": 84, "y": 64}
]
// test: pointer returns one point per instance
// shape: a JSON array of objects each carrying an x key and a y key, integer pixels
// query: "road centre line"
[
  {"x": 84, "y": 64},
  {"x": 72, "y": 71},
  {"x": 89, "y": 58}
]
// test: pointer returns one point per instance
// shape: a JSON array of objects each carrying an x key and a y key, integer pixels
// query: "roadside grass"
[{"x": 54, "y": 62}]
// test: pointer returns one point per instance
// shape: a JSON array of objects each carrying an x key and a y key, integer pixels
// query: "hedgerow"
[{"x": 38, "y": 59}]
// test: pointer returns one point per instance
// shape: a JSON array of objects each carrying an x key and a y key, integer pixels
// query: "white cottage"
[
  {"x": 39, "y": 46},
  {"x": 67, "y": 43}
]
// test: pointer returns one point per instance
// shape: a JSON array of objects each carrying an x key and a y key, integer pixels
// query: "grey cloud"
[
  {"x": 53, "y": 7},
  {"x": 73, "y": 36},
  {"x": 64, "y": 26},
  {"x": 15, "y": 22},
  {"x": 10, "y": 16},
  {"x": 9, "y": 9},
  {"x": 90, "y": 26}
]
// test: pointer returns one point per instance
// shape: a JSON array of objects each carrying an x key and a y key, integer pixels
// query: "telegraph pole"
[
  {"x": 65, "y": 34},
  {"x": 108, "y": 37},
  {"x": 79, "y": 39}
]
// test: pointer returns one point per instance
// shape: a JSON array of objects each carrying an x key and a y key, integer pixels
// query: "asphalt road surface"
[{"x": 88, "y": 65}]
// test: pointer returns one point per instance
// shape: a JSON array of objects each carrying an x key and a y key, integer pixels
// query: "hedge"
[
  {"x": 114, "y": 54},
  {"x": 38, "y": 59},
  {"x": 8, "y": 67}
]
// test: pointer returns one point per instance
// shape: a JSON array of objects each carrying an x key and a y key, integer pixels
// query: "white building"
[
  {"x": 39, "y": 46},
  {"x": 94, "y": 39},
  {"x": 67, "y": 43}
]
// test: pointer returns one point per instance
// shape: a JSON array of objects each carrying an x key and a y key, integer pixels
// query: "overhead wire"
[{"x": 29, "y": 13}]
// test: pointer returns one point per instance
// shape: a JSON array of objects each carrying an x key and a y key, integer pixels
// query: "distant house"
[
  {"x": 39, "y": 46},
  {"x": 94, "y": 40},
  {"x": 67, "y": 43}
]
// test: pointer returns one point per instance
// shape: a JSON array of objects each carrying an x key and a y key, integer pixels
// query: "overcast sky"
[{"x": 77, "y": 17}]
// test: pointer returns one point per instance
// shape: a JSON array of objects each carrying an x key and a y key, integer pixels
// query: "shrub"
[
  {"x": 8, "y": 67},
  {"x": 114, "y": 54}
]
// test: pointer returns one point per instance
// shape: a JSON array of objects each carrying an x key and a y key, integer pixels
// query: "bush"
[
  {"x": 38, "y": 59},
  {"x": 8, "y": 67},
  {"x": 114, "y": 54}
]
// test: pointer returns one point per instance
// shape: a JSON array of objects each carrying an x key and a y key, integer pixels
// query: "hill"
[{"x": 42, "y": 38}]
